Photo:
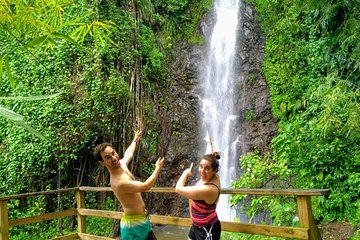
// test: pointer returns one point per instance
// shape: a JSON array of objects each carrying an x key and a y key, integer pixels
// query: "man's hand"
[
  {"x": 159, "y": 163},
  {"x": 137, "y": 135}
]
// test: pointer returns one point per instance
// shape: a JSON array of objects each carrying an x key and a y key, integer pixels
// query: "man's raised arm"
[
  {"x": 129, "y": 153},
  {"x": 137, "y": 186}
]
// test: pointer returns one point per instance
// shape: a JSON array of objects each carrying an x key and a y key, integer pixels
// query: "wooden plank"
[
  {"x": 306, "y": 217},
  {"x": 84, "y": 236},
  {"x": 243, "y": 191},
  {"x": 267, "y": 230},
  {"x": 41, "y": 218},
  {"x": 256, "y": 191},
  {"x": 287, "y": 232},
  {"x": 167, "y": 220},
  {"x": 4, "y": 221},
  {"x": 80, "y": 201},
  {"x": 278, "y": 192},
  {"x": 95, "y": 189},
  {"x": 162, "y": 189},
  {"x": 108, "y": 189},
  {"x": 67, "y": 237},
  {"x": 100, "y": 213},
  {"x": 19, "y": 196}
]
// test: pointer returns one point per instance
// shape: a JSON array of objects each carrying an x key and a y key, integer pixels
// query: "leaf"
[
  {"x": 67, "y": 38},
  {"x": 8, "y": 70},
  {"x": 13, "y": 116},
  {"x": 31, "y": 98},
  {"x": 1, "y": 69},
  {"x": 75, "y": 22},
  {"x": 17, "y": 118},
  {"x": 31, "y": 130},
  {"x": 36, "y": 42}
]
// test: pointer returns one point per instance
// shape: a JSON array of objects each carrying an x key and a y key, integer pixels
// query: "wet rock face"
[
  {"x": 258, "y": 124},
  {"x": 181, "y": 121}
]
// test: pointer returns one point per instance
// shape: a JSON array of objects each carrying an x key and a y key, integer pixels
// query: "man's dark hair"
[{"x": 99, "y": 149}]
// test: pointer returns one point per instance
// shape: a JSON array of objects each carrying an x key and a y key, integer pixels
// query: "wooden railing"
[{"x": 307, "y": 230}]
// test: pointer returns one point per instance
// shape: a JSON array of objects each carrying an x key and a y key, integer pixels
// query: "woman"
[{"x": 203, "y": 196}]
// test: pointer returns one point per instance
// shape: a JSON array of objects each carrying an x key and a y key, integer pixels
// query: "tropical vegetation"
[
  {"x": 74, "y": 73},
  {"x": 312, "y": 68}
]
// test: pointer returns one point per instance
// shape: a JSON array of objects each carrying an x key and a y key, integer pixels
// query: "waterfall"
[{"x": 217, "y": 82}]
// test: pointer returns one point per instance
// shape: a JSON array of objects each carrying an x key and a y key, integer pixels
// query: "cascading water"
[{"x": 217, "y": 84}]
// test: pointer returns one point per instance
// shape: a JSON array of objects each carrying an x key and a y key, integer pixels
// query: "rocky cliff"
[{"x": 180, "y": 141}]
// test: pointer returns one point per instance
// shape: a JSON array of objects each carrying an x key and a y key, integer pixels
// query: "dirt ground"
[{"x": 336, "y": 231}]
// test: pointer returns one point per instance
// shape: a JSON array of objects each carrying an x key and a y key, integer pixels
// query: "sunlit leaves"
[
  {"x": 99, "y": 31},
  {"x": 35, "y": 17},
  {"x": 36, "y": 42},
  {"x": 43, "y": 22},
  {"x": 49, "y": 41}
]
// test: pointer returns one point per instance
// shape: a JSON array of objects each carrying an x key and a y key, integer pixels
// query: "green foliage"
[
  {"x": 87, "y": 107},
  {"x": 100, "y": 226},
  {"x": 43, "y": 24},
  {"x": 262, "y": 171},
  {"x": 34, "y": 206},
  {"x": 251, "y": 78},
  {"x": 95, "y": 82},
  {"x": 151, "y": 55},
  {"x": 243, "y": 236},
  {"x": 46, "y": 21},
  {"x": 257, "y": 171},
  {"x": 49, "y": 229},
  {"x": 38, "y": 205},
  {"x": 249, "y": 115},
  {"x": 312, "y": 70},
  {"x": 97, "y": 225},
  {"x": 356, "y": 235},
  {"x": 41, "y": 46},
  {"x": 181, "y": 18}
]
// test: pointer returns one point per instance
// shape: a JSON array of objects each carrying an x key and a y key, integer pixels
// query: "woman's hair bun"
[{"x": 217, "y": 155}]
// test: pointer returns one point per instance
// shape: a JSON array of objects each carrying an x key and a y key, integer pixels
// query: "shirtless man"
[{"x": 135, "y": 224}]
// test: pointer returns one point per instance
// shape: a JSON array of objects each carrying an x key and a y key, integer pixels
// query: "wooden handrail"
[
  {"x": 242, "y": 191},
  {"x": 41, "y": 218},
  {"x": 307, "y": 230},
  {"x": 25, "y": 195}
]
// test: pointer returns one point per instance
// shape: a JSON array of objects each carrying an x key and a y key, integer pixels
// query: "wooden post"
[
  {"x": 4, "y": 221},
  {"x": 306, "y": 217},
  {"x": 80, "y": 201}
]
